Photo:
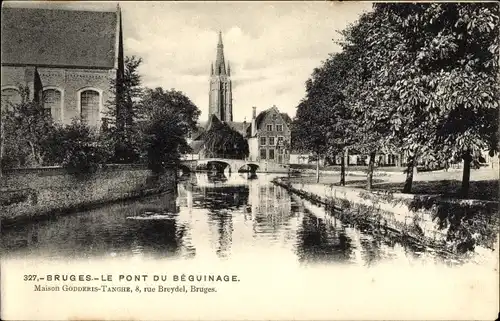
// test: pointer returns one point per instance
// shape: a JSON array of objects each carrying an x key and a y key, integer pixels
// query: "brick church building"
[{"x": 67, "y": 58}]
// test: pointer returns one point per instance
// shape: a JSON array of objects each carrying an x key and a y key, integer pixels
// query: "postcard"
[{"x": 249, "y": 160}]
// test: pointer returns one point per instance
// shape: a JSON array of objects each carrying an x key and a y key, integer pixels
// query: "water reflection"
[{"x": 224, "y": 217}]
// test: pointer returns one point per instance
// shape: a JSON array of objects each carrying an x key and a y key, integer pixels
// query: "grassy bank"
[{"x": 484, "y": 183}]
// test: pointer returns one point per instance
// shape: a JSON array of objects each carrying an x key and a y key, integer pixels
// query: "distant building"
[
  {"x": 67, "y": 58},
  {"x": 270, "y": 136}
]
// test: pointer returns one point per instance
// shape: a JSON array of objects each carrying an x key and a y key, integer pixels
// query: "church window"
[
  {"x": 271, "y": 141},
  {"x": 269, "y": 127},
  {"x": 279, "y": 128},
  {"x": 263, "y": 141},
  {"x": 89, "y": 103},
  {"x": 52, "y": 103},
  {"x": 271, "y": 154},
  {"x": 10, "y": 97},
  {"x": 263, "y": 154}
]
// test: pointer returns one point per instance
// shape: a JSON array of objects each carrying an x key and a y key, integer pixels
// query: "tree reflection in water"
[
  {"x": 322, "y": 242},
  {"x": 219, "y": 216}
]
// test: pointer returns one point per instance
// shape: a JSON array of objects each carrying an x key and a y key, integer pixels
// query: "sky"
[{"x": 273, "y": 47}]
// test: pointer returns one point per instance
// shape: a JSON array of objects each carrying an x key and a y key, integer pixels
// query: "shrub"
[{"x": 77, "y": 147}]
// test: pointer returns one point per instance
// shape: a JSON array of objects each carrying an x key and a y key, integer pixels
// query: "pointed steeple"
[
  {"x": 228, "y": 68},
  {"x": 220, "y": 67},
  {"x": 220, "y": 39}
]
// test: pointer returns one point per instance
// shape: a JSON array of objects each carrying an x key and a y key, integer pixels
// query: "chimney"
[{"x": 253, "y": 129}]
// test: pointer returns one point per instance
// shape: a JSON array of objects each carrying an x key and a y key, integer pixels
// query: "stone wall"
[
  {"x": 453, "y": 224},
  {"x": 32, "y": 193}
]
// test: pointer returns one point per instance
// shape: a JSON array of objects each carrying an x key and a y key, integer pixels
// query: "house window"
[
  {"x": 52, "y": 103},
  {"x": 271, "y": 154},
  {"x": 263, "y": 154},
  {"x": 279, "y": 128},
  {"x": 263, "y": 141},
  {"x": 281, "y": 139},
  {"x": 269, "y": 127},
  {"x": 271, "y": 141},
  {"x": 89, "y": 103},
  {"x": 10, "y": 97}
]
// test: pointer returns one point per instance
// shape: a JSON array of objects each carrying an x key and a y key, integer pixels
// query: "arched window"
[
  {"x": 52, "y": 103},
  {"x": 89, "y": 104},
  {"x": 10, "y": 97}
]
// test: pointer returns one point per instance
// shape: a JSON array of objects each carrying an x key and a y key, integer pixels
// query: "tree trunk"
[
  {"x": 33, "y": 153},
  {"x": 409, "y": 174},
  {"x": 371, "y": 166},
  {"x": 466, "y": 175},
  {"x": 342, "y": 171},
  {"x": 317, "y": 169}
]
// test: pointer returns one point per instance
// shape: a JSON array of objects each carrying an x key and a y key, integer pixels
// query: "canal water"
[{"x": 216, "y": 218}]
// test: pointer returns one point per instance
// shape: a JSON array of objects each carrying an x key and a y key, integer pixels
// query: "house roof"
[
  {"x": 48, "y": 37},
  {"x": 241, "y": 127},
  {"x": 196, "y": 146},
  {"x": 263, "y": 114},
  {"x": 198, "y": 133},
  {"x": 286, "y": 118}
]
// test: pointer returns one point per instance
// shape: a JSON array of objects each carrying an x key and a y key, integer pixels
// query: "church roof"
[
  {"x": 48, "y": 37},
  {"x": 196, "y": 146},
  {"x": 241, "y": 127},
  {"x": 198, "y": 133}
]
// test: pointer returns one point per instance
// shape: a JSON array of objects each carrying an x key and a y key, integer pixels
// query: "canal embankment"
[
  {"x": 448, "y": 224},
  {"x": 38, "y": 193}
]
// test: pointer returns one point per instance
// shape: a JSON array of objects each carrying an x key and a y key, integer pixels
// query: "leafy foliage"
[
  {"x": 77, "y": 147},
  {"x": 416, "y": 78},
  {"x": 223, "y": 141},
  {"x": 121, "y": 126},
  {"x": 169, "y": 116},
  {"x": 25, "y": 127}
]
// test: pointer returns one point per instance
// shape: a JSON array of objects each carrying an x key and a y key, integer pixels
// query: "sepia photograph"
[{"x": 249, "y": 160}]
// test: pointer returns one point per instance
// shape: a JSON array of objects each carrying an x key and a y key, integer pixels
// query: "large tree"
[
  {"x": 369, "y": 127},
  {"x": 425, "y": 80},
  {"x": 440, "y": 77},
  {"x": 169, "y": 116},
  {"x": 223, "y": 141},
  {"x": 323, "y": 124},
  {"x": 121, "y": 124}
]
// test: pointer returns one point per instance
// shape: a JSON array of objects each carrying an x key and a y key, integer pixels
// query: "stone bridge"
[{"x": 233, "y": 165}]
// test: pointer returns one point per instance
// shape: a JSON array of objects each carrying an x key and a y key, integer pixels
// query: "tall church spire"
[
  {"x": 220, "y": 68},
  {"x": 220, "y": 95}
]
